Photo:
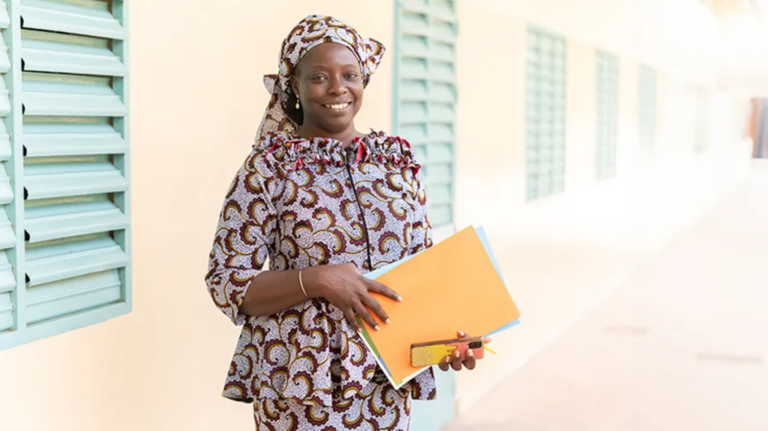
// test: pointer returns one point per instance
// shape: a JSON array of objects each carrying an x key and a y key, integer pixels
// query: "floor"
[{"x": 682, "y": 346}]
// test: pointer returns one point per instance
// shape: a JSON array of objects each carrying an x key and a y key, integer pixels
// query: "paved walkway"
[{"x": 682, "y": 346}]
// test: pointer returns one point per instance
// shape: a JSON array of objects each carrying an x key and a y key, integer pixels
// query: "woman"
[{"x": 325, "y": 203}]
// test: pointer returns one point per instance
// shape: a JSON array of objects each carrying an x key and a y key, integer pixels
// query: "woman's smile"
[{"x": 337, "y": 106}]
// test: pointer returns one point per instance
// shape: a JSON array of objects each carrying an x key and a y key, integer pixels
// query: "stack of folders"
[{"x": 454, "y": 285}]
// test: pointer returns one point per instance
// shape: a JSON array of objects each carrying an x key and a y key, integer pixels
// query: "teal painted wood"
[
  {"x": 64, "y": 324},
  {"x": 424, "y": 112},
  {"x": 54, "y": 52},
  {"x": 5, "y": 143},
  {"x": 647, "y": 109},
  {"x": 6, "y": 305},
  {"x": 73, "y": 179},
  {"x": 50, "y": 300},
  {"x": 425, "y": 94},
  {"x": 434, "y": 415},
  {"x": 607, "y": 113},
  {"x": 85, "y": 17},
  {"x": 61, "y": 140},
  {"x": 47, "y": 94},
  {"x": 60, "y": 220},
  {"x": 7, "y": 235},
  {"x": 86, "y": 255},
  {"x": 69, "y": 162},
  {"x": 545, "y": 113},
  {"x": 14, "y": 168},
  {"x": 122, "y": 160},
  {"x": 5, "y": 17}
]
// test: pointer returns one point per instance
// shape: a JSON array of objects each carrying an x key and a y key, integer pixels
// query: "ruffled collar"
[{"x": 294, "y": 153}]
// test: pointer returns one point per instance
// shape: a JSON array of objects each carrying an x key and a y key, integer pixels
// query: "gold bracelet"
[{"x": 301, "y": 283}]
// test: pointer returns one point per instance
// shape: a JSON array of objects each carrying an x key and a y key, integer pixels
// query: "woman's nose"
[{"x": 337, "y": 87}]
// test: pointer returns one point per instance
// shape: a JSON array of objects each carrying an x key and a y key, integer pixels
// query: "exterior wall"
[
  {"x": 562, "y": 254},
  {"x": 197, "y": 99},
  {"x": 492, "y": 44}
]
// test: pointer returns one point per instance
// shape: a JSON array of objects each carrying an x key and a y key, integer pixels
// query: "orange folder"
[{"x": 450, "y": 287}]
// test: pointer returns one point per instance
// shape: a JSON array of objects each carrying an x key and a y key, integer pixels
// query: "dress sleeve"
[
  {"x": 244, "y": 238},
  {"x": 421, "y": 232}
]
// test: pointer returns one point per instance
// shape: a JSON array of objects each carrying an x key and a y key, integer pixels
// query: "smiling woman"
[
  {"x": 329, "y": 91},
  {"x": 326, "y": 204}
]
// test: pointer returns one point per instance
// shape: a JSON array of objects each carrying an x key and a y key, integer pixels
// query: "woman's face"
[{"x": 330, "y": 87}]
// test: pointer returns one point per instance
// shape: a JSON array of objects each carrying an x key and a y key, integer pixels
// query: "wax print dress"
[{"x": 301, "y": 203}]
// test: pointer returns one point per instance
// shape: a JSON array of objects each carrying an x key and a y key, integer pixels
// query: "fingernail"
[
  {"x": 447, "y": 359},
  {"x": 461, "y": 333},
  {"x": 457, "y": 354},
  {"x": 376, "y": 327},
  {"x": 399, "y": 299},
  {"x": 470, "y": 353},
  {"x": 359, "y": 330},
  {"x": 387, "y": 321}
]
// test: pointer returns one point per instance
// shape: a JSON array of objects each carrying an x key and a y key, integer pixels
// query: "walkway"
[{"x": 682, "y": 346}]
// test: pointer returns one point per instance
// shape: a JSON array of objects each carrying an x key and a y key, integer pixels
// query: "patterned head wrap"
[{"x": 310, "y": 32}]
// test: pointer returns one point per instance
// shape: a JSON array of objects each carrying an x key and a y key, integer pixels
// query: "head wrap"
[{"x": 310, "y": 32}]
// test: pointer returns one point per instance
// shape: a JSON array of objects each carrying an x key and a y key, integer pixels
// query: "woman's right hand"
[{"x": 346, "y": 288}]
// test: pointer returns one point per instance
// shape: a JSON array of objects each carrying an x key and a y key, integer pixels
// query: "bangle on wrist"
[{"x": 301, "y": 283}]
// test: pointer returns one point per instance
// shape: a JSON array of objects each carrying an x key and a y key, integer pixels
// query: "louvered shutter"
[
  {"x": 425, "y": 94},
  {"x": 607, "y": 110},
  {"x": 8, "y": 238},
  {"x": 424, "y": 113},
  {"x": 545, "y": 113},
  {"x": 647, "y": 111},
  {"x": 73, "y": 176}
]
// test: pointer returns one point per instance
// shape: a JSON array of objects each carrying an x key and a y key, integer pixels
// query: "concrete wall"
[
  {"x": 563, "y": 254},
  {"x": 197, "y": 98},
  {"x": 744, "y": 68},
  {"x": 492, "y": 50}
]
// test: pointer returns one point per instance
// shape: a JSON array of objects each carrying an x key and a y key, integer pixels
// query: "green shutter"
[
  {"x": 607, "y": 113},
  {"x": 425, "y": 94},
  {"x": 545, "y": 113},
  {"x": 8, "y": 237},
  {"x": 70, "y": 165},
  {"x": 647, "y": 109},
  {"x": 424, "y": 113}
]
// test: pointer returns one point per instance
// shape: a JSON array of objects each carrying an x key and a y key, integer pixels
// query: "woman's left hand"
[{"x": 455, "y": 362}]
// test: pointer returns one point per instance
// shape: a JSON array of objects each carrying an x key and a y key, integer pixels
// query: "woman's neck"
[{"x": 346, "y": 137}]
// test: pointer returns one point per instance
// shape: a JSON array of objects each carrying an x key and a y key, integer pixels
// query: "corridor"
[{"x": 681, "y": 346}]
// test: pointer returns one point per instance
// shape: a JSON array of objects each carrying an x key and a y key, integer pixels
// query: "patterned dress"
[{"x": 303, "y": 203}]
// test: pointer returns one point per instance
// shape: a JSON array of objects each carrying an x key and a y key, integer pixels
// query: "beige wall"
[
  {"x": 741, "y": 46},
  {"x": 197, "y": 98},
  {"x": 490, "y": 152},
  {"x": 492, "y": 51},
  {"x": 561, "y": 254}
]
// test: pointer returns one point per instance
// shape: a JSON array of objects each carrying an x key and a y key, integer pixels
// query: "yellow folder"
[{"x": 450, "y": 287}]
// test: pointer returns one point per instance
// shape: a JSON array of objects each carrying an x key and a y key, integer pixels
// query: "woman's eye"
[
  {"x": 318, "y": 78},
  {"x": 351, "y": 76}
]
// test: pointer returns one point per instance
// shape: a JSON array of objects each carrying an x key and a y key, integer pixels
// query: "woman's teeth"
[{"x": 338, "y": 106}]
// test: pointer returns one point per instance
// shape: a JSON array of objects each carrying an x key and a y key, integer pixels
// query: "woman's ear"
[{"x": 295, "y": 85}]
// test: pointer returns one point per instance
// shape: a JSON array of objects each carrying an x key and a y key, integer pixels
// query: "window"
[
  {"x": 425, "y": 95},
  {"x": 607, "y": 104},
  {"x": 545, "y": 114},
  {"x": 65, "y": 228},
  {"x": 647, "y": 111}
]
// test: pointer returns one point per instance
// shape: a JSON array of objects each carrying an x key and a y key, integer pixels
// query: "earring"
[{"x": 298, "y": 104}]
